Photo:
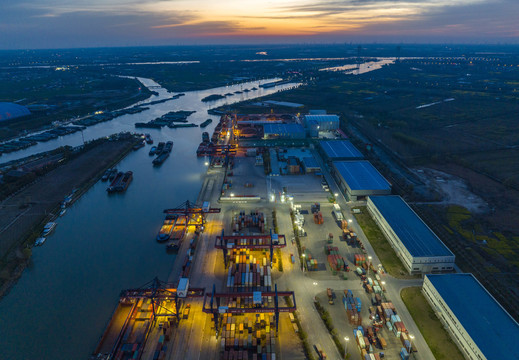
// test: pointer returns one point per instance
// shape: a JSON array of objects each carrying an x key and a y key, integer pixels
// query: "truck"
[
  {"x": 337, "y": 213},
  {"x": 329, "y": 292},
  {"x": 320, "y": 352}
]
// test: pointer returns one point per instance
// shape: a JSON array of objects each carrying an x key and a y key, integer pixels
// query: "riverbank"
[{"x": 23, "y": 215}]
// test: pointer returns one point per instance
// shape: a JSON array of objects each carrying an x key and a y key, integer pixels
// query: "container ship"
[
  {"x": 115, "y": 182},
  {"x": 161, "y": 158},
  {"x": 167, "y": 228},
  {"x": 179, "y": 229}
]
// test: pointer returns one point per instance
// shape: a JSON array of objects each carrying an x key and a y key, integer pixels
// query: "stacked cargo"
[
  {"x": 353, "y": 307},
  {"x": 311, "y": 263},
  {"x": 318, "y": 218},
  {"x": 406, "y": 342},
  {"x": 246, "y": 271},
  {"x": 359, "y": 260},
  {"x": 248, "y": 337},
  {"x": 316, "y": 208},
  {"x": 253, "y": 219},
  {"x": 335, "y": 260}
]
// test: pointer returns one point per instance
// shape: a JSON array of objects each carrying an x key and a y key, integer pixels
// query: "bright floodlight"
[
  {"x": 346, "y": 338},
  {"x": 232, "y": 194},
  {"x": 336, "y": 194}
]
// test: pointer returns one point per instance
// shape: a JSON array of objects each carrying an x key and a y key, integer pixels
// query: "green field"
[
  {"x": 382, "y": 248},
  {"x": 430, "y": 326}
]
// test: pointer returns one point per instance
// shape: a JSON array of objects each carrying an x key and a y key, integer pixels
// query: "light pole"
[
  {"x": 346, "y": 348},
  {"x": 304, "y": 262},
  {"x": 369, "y": 263}
]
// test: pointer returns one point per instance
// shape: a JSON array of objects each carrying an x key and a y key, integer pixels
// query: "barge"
[{"x": 167, "y": 228}]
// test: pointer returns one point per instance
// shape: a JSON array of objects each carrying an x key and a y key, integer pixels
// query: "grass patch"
[
  {"x": 430, "y": 326},
  {"x": 382, "y": 248}
]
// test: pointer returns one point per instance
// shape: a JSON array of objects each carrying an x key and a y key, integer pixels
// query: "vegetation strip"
[{"x": 430, "y": 326}]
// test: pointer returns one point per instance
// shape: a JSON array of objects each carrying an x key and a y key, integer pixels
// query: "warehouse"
[
  {"x": 478, "y": 324},
  {"x": 359, "y": 179},
  {"x": 322, "y": 122},
  {"x": 10, "y": 111},
  {"x": 336, "y": 150},
  {"x": 283, "y": 131},
  {"x": 420, "y": 250}
]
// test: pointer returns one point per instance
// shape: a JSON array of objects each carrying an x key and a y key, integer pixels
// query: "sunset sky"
[{"x": 85, "y": 23}]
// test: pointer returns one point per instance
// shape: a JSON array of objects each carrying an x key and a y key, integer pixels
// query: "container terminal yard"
[{"x": 238, "y": 289}]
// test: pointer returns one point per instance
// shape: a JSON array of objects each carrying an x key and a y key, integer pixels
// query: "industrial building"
[
  {"x": 10, "y": 111},
  {"x": 478, "y": 324},
  {"x": 336, "y": 150},
  {"x": 359, "y": 179},
  {"x": 420, "y": 250},
  {"x": 310, "y": 165},
  {"x": 283, "y": 131},
  {"x": 317, "y": 123}
]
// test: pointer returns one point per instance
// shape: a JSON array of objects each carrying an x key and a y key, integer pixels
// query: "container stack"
[
  {"x": 247, "y": 337},
  {"x": 353, "y": 307},
  {"x": 335, "y": 260},
  {"x": 253, "y": 220},
  {"x": 315, "y": 208},
  {"x": 311, "y": 263},
  {"x": 359, "y": 260},
  {"x": 318, "y": 218},
  {"x": 247, "y": 271}
]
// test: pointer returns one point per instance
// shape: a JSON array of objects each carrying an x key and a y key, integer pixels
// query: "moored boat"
[
  {"x": 138, "y": 145},
  {"x": 106, "y": 175},
  {"x": 115, "y": 182},
  {"x": 148, "y": 139},
  {"x": 125, "y": 181},
  {"x": 160, "y": 148},
  {"x": 205, "y": 123},
  {"x": 168, "y": 147},
  {"x": 153, "y": 151},
  {"x": 161, "y": 158},
  {"x": 47, "y": 229},
  {"x": 39, "y": 241}
]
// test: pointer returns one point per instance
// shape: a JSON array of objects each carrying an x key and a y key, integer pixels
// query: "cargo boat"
[
  {"x": 174, "y": 126},
  {"x": 115, "y": 182},
  {"x": 139, "y": 145},
  {"x": 113, "y": 174},
  {"x": 106, "y": 175},
  {"x": 167, "y": 228},
  {"x": 153, "y": 151},
  {"x": 161, "y": 158},
  {"x": 136, "y": 315},
  {"x": 168, "y": 147},
  {"x": 205, "y": 136},
  {"x": 160, "y": 148},
  {"x": 205, "y": 123},
  {"x": 179, "y": 229},
  {"x": 125, "y": 181},
  {"x": 148, "y": 139}
]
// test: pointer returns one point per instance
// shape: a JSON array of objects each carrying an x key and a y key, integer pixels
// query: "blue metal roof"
[
  {"x": 310, "y": 162},
  {"x": 416, "y": 236},
  {"x": 283, "y": 128},
  {"x": 335, "y": 149},
  {"x": 493, "y": 330},
  {"x": 361, "y": 175},
  {"x": 320, "y": 118},
  {"x": 11, "y": 111}
]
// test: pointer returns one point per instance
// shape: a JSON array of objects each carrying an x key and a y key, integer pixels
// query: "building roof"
[
  {"x": 488, "y": 324},
  {"x": 320, "y": 118},
  {"x": 416, "y": 236},
  {"x": 11, "y": 111},
  {"x": 361, "y": 175},
  {"x": 283, "y": 128},
  {"x": 310, "y": 162},
  {"x": 340, "y": 149}
]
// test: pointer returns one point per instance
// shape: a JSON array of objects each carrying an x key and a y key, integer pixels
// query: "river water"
[{"x": 104, "y": 244}]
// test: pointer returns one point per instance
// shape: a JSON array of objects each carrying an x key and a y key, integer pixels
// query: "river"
[{"x": 104, "y": 244}]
